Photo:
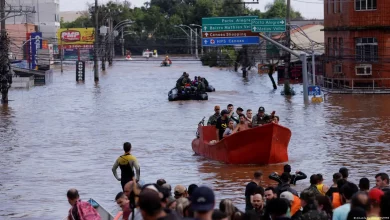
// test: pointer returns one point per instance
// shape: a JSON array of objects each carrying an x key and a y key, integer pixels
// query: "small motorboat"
[
  {"x": 265, "y": 144},
  {"x": 104, "y": 214},
  {"x": 128, "y": 57},
  {"x": 186, "y": 94}
]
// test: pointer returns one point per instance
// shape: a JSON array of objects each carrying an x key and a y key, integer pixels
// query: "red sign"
[
  {"x": 69, "y": 36},
  {"x": 228, "y": 34}
]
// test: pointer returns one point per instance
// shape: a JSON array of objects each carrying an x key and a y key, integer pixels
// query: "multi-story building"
[
  {"x": 357, "y": 38},
  {"x": 46, "y": 18}
]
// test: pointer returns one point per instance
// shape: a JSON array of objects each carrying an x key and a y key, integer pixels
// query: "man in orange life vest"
[{"x": 127, "y": 163}]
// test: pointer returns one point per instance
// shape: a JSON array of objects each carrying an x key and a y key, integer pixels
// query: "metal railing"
[{"x": 354, "y": 83}]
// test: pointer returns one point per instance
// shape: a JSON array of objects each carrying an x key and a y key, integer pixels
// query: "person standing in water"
[{"x": 127, "y": 163}]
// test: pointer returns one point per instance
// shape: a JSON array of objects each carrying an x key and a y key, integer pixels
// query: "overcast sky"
[{"x": 308, "y": 8}]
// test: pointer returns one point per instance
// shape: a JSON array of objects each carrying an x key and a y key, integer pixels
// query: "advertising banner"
[
  {"x": 76, "y": 36},
  {"x": 36, "y": 44}
]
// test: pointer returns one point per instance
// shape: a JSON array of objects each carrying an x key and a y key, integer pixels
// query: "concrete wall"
[
  {"x": 47, "y": 16},
  {"x": 17, "y": 35}
]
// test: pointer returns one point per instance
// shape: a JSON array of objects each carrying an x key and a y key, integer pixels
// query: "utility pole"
[
  {"x": 110, "y": 43},
  {"x": 95, "y": 59},
  {"x": 288, "y": 44},
  {"x": 5, "y": 77},
  {"x": 123, "y": 44}
]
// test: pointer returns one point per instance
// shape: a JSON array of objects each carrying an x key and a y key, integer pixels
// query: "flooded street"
[{"x": 68, "y": 135}]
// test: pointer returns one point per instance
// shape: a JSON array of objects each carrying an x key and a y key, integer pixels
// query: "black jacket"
[
  {"x": 294, "y": 177},
  {"x": 285, "y": 187}
]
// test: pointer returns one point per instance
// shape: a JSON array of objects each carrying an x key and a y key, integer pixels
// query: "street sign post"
[
  {"x": 222, "y": 31},
  {"x": 314, "y": 90},
  {"x": 268, "y": 25}
]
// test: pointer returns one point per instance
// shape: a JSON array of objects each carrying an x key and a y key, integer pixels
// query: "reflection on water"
[{"x": 68, "y": 135}]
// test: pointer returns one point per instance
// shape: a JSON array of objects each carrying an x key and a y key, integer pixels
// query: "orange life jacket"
[
  {"x": 336, "y": 200},
  {"x": 296, "y": 205}
]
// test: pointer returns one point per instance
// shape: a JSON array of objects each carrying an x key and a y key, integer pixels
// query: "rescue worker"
[
  {"x": 179, "y": 82},
  {"x": 206, "y": 83},
  {"x": 213, "y": 119},
  {"x": 201, "y": 86},
  {"x": 260, "y": 118},
  {"x": 127, "y": 163},
  {"x": 167, "y": 61}
]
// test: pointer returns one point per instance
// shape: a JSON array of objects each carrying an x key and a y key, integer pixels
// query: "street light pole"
[
  {"x": 95, "y": 59},
  {"x": 201, "y": 34}
]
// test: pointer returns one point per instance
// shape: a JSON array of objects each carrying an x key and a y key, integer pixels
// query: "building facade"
[
  {"x": 46, "y": 18},
  {"x": 357, "y": 39}
]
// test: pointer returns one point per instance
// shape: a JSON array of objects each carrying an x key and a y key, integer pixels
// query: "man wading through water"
[{"x": 127, "y": 164}]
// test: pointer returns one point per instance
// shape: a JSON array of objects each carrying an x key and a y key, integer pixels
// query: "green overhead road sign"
[
  {"x": 226, "y": 27},
  {"x": 268, "y": 25},
  {"x": 240, "y": 23},
  {"x": 228, "y": 20}
]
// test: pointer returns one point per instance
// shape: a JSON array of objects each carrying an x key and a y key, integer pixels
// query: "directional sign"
[
  {"x": 220, "y": 31},
  {"x": 229, "y": 20},
  {"x": 314, "y": 90},
  {"x": 268, "y": 25},
  {"x": 225, "y": 27},
  {"x": 212, "y": 42},
  {"x": 228, "y": 34}
]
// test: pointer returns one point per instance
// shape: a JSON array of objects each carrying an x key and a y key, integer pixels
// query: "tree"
[{"x": 278, "y": 9}]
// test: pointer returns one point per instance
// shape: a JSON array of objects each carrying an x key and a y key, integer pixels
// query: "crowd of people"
[
  {"x": 229, "y": 122},
  {"x": 186, "y": 85},
  {"x": 343, "y": 200}
]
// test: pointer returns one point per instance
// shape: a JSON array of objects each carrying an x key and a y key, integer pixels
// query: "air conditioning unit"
[
  {"x": 338, "y": 68},
  {"x": 363, "y": 70}
]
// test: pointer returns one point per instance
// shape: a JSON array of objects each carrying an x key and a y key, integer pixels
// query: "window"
[
  {"x": 363, "y": 70},
  {"x": 341, "y": 52},
  {"x": 366, "y": 49},
  {"x": 337, "y": 68},
  {"x": 335, "y": 6},
  {"x": 329, "y": 45},
  {"x": 335, "y": 47},
  {"x": 363, "y": 5}
]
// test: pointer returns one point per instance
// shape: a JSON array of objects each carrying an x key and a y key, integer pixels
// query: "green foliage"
[
  {"x": 154, "y": 22},
  {"x": 224, "y": 57},
  {"x": 278, "y": 9}
]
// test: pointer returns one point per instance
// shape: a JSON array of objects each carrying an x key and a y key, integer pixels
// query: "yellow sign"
[{"x": 76, "y": 36}]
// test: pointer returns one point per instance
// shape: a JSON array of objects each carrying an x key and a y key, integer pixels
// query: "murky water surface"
[{"x": 66, "y": 135}]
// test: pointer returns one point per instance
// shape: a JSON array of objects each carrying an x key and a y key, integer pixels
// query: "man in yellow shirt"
[{"x": 127, "y": 163}]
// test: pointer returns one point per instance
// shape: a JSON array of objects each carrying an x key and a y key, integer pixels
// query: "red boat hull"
[{"x": 266, "y": 144}]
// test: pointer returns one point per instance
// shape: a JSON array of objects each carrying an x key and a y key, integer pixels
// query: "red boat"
[{"x": 265, "y": 144}]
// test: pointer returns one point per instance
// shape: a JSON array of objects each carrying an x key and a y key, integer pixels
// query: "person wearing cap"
[
  {"x": 202, "y": 203},
  {"x": 260, "y": 118},
  {"x": 127, "y": 163},
  {"x": 295, "y": 203},
  {"x": 222, "y": 124},
  {"x": 375, "y": 199},
  {"x": 180, "y": 191}
]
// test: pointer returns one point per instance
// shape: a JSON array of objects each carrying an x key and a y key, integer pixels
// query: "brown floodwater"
[{"x": 68, "y": 135}]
